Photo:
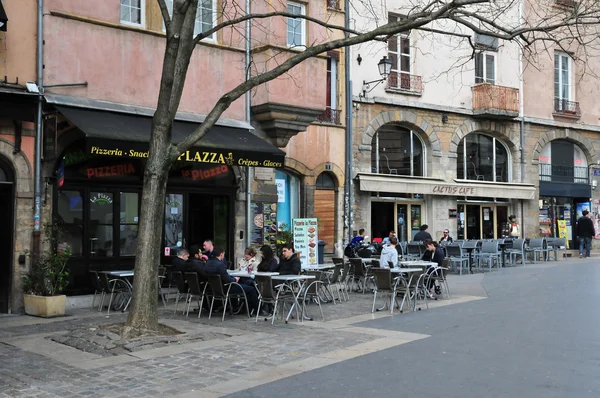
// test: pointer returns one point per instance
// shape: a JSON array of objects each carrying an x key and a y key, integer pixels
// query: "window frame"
[
  {"x": 397, "y": 55},
  {"x": 142, "y": 23},
  {"x": 302, "y": 25},
  {"x": 412, "y": 134},
  {"x": 332, "y": 77},
  {"x": 495, "y": 142},
  {"x": 561, "y": 56},
  {"x": 484, "y": 55},
  {"x": 211, "y": 38}
]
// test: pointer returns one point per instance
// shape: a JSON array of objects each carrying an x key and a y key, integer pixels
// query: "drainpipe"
[
  {"x": 247, "y": 99},
  {"x": 521, "y": 101},
  {"x": 38, "y": 130},
  {"x": 348, "y": 152}
]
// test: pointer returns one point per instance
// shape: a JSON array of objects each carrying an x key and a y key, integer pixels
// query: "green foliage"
[
  {"x": 47, "y": 275},
  {"x": 284, "y": 235}
]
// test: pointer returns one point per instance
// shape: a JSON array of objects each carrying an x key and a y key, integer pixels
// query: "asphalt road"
[{"x": 537, "y": 335}]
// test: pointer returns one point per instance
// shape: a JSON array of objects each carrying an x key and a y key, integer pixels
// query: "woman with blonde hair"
[{"x": 249, "y": 261}]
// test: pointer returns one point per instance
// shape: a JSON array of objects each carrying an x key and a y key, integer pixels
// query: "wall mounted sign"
[
  {"x": 453, "y": 190},
  {"x": 452, "y": 213},
  {"x": 49, "y": 141},
  {"x": 264, "y": 224}
]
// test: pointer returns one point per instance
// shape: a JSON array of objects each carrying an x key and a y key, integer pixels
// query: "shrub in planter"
[{"x": 47, "y": 277}]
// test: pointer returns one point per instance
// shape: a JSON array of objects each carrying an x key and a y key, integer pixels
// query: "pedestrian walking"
[{"x": 585, "y": 232}]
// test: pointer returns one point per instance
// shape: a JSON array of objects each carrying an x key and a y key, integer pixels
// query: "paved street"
[{"x": 523, "y": 332}]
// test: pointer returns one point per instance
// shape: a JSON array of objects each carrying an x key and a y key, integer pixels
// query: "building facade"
[{"x": 444, "y": 145}]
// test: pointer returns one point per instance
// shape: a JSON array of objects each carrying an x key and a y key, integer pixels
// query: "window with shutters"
[
  {"x": 485, "y": 67},
  {"x": 400, "y": 53}
]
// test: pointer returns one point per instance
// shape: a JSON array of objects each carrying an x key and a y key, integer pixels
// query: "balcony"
[
  {"x": 404, "y": 83},
  {"x": 331, "y": 116},
  {"x": 495, "y": 102},
  {"x": 564, "y": 108},
  {"x": 568, "y": 174}
]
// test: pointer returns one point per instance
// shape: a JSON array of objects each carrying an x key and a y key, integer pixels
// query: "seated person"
[
  {"x": 180, "y": 262},
  {"x": 249, "y": 261},
  {"x": 290, "y": 263},
  {"x": 195, "y": 263},
  {"x": 268, "y": 262},
  {"x": 446, "y": 237},
  {"x": 216, "y": 265},
  {"x": 389, "y": 253},
  {"x": 386, "y": 240},
  {"x": 358, "y": 238},
  {"x": 433, "y": 253}
]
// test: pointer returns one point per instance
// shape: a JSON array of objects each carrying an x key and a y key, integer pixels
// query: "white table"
[
  {"x": 119, "y": 274},
  {"x": 123, "y": 275},
  {"x": 318, "y": 267},
  {"x": 246, "y": 274},
  {"x": 404, "y": 270},
  {"x": 288, "y": 280}
]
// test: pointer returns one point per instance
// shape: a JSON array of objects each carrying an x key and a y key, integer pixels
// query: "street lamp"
[{"x": 385, "y": 67}]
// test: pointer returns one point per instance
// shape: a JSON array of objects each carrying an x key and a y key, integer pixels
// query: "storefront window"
[
  {"x": 174, "y": 221},
  {"x": 483, "y": 158},
  {"x": 128, "y": 228},
  {"x": 101, "y": 224},
  {"x": 396, "y": 150},
  {"x": 70, "y": 217},
  {"x": 563, "y": 161},
  {"x": 288, "y": 197}
]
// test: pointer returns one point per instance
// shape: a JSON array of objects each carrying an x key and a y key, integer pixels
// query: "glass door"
[
  {"x": 174, "y": 238},
  {"x": 415, "y": 219},
  {"x": 409, "y": 220},
  {"x": 487, "y": 222},
  {"x": 473, "y": 227},
  {"x": 403, "y": 222}
]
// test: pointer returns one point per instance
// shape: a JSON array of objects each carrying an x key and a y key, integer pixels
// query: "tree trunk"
[{"x": 143, "y": 313}]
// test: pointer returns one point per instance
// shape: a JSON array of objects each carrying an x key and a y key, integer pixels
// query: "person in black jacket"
[
  {"x": 217, "y": 266},
  {"x": 435, "y": 254},
  {"x": 585, "y": 232},
  {"x": 180, "y": 262},
  {"x": 422, "y": 235},
  {"x": 268, "y": 262},
  {"x": 290, "y": 263}
]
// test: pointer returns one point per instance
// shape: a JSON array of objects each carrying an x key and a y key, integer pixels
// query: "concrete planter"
[{"x": 45, "y": 306}]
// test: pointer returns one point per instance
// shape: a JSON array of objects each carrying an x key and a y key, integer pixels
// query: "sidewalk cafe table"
[
  {"x": 125, "y": 276},
  {"x": 289, "y": 280},
  {"x": 246, "y": 274},
  {"x": 318, "y": 267}
]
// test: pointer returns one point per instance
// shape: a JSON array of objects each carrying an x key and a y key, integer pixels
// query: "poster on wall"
[
  {"x": 306, "y": 238},
  {"x": 596, "y": 216},
  {"x": 280, "y": 190},
  {"x": 562, "y": 231},
  {"x": 264, "y": 224}
]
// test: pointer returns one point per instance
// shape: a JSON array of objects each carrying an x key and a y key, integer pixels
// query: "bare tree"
[{"x": 569, "y": 24}]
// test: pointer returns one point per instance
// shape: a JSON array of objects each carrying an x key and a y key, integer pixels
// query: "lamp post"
[{"x": 385, "y": 67}]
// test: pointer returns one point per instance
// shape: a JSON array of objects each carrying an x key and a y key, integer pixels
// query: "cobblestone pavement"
[{"x": 38, "y": 358}]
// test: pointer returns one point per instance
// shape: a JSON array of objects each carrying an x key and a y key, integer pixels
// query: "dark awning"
[
  {"x": 127, "y": 136},
  {"x": 3, "y": 18}
]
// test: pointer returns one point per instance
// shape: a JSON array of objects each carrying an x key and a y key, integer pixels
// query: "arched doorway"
[
  {"x": 325, "y": 208},
  {"x": 6, "y": 234}
]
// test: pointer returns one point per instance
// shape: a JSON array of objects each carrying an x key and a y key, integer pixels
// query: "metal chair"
[
  {"x": 439, "y": 275},
  {"x": 556, "y": 245},
  {"x": 413, "y": 251},
  {"x": 517, "y": 249},
  {"x": 117, "y": 287},
  {"x": 537, "y": 246},
  {"x": 358, "y": 272},
  {"x": 384, "y": 284},
  {"x": 313, "y": 292},
  {"x": 98, "y": 289},
  {"x": 182, "y": 289},
  {"x": 269, "y": 295},
  {"x": 196, "y": 290},
  {"x": 222, "y": 292},
  {"x": 489, "y": 254},
  {"x": 455, "y": 256}
]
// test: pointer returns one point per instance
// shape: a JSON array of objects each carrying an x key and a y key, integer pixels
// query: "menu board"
[
  {"x": 264, "y": 224},
  {"x": 306, "y": 240}
]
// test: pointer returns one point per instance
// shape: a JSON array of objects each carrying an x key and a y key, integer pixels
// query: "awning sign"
[{"x": 139, "y": 150}]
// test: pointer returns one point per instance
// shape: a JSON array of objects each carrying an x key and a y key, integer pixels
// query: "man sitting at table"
[
  {"x": 290, "y": 263},
  {"x": 216, "y": 266},
  {"x": 389, "y": 254},
  {"x": 180, "y": 262}
]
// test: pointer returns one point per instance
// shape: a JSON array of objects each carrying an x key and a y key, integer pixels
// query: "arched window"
[
  {"x": 397, "y": 150},
  {"x": 3, "y": 176},
  {"x": 483, "y": 158},
  {"x": 325, "y": 181},
  {"x": 563, "y": 161}
]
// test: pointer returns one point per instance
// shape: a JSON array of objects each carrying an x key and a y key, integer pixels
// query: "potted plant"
[{"x": 47, "y": 277}]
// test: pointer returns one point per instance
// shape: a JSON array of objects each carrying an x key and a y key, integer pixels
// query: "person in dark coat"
[
  {"x": 268, "y": 262},
  {"x": 435, "y": 254},
  {"x": 180, "y": 262},
  {"x": 423, "y": 234},
  {"x": 290, "y": 263},
  {"x": 216, "y": 266},
  {"x": 585, "y": 232},
  {"x": 446, "y": 237}
]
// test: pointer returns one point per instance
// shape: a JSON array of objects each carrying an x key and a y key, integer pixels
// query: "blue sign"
[{"x": 597, "y": 172}]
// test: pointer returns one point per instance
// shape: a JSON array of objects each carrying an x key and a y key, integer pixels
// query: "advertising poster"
[
  {"x": 306, "y": 238},
  {"x": 264, "y": 224},
  {"x": 562, "y": 231},
  {"x": 581, "y": 207}
]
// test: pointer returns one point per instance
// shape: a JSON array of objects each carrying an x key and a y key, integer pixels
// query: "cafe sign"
[{"x": 139, "y": 150}]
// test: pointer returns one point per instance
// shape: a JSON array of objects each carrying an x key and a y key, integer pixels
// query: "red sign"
[
  {"x": 207, "y": 174},
  {"x": 110, "y": 171},
  {"x": 167, "y": 251}
]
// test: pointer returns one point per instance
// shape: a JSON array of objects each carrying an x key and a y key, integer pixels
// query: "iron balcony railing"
[
  {"x": 566, "y": 108},
  {"x": 333, "y": 4},
  {"x": 332, "y": 116},
  {"x": 405, "y": 82},
  {"x": 572, "y": 174}
]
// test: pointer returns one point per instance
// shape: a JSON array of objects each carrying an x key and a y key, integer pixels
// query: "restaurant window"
[
  {"x": 101, "y": 224},
  {"x": 174, "y": 221},
  {"x": 399, "y": 151},
  {"x": 128, "y": 224},
  {"x": 483, "y": 158},
  {"x": 70, "y": 219},
  {"x": 132, "y": 12},
  {"x": 288, "y": 197}
]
